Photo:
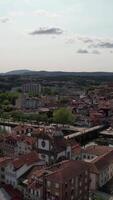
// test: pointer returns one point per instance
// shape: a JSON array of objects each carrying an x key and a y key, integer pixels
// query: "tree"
[{"x": 63, "y": 116}]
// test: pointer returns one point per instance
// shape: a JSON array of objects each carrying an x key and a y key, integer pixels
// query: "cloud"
[
  {"x": 95, "y": 52},
  {"x": 46, "y": 13},
  {"x": 47, "y": 31},
  {"x": 97, "y": 42},
  {"x": 85, "y": 39},
  {"x": 4, "y": 19},
  {"x": 103, "y": 44},
  {"x": 70, "y": 40},
  {"x": 83, "y": 51},
  {"x": 16, "y": 13}
]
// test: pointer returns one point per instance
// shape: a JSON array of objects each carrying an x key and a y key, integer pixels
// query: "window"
[
  {"x": 72, "y": 181},
  {"x": 57, "y": 185},
  {"x": 37, "y": 193},
  {"x": 80, "y": 183},
  {"x": 86, "y": 172},
  {"x": 72, "y": 192},
  {"x": 86, "y": 180},
  {"x": 2, "y": 177},
  {"x": 84, "y": 156},
  {"x": 2, "y": 169},
  {"x": 86, "y": 187},
  {"x": 48, "y": 183},
  {"x": 65, "y": 185},
  {"x": 66, "y": 195},
  {"x": 48, "y": 194},
  {"x": 80, "y": 191}
]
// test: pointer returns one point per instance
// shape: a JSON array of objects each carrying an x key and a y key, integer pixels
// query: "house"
[
  {"x": 3, "y": 163},
  {"x": 14, "y": 145},
  {"x": 8, "y": 145},
  {"x": 23, "y": 129},
  {"x": 31, "y": 88},
  {"x": 15, "y": 168},
  {"x": 76, "y": 152},
  {"x": 68, "y": 180},
  {"x": 101, "y": 170},
  {"x": 65, "y": 180},
  {"x": 32, "y": 183},
  {"x": 93, "y": 151}
]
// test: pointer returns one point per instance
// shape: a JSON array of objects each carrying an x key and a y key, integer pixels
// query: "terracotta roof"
[
  {"x": 4, "y": 160},
  {"x": 76, "y": 149},
  {"x": 27, "y": 159},
  {"x": 97, "y": 150},
  {"x": 101, "y": 162},
  {"x": 22, "y": 127},
  {"x": 67, "y": 169},
  {"x": 14, "y": 193}
]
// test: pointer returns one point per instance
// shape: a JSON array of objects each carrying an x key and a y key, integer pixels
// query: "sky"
[{"x": 56, "y": 35}]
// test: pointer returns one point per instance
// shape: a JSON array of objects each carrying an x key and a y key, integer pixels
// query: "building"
[
  {"x": 68, "y": 180},
  {"x": 51, "y": 145},
  {"x": 13, "y": 169},
  {"x": 32, "y": 184},
  {"x": 14, "y": 145},
  {"x": 23, "y": 130},
  {"x": 76, "y": 152},
  {"x": 31, "y": 103},
  {"x": 101, "y": 170},
  {"x": 65, "y": 180},
  {"x": 93, "y": 151},
  {"x": 31, "y": 88}
]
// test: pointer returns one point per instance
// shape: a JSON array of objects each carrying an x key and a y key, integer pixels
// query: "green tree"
[{"x": 63, "y": 116}]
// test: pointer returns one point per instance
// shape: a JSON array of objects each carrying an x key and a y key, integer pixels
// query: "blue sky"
[{"x": 69, "y": 35}]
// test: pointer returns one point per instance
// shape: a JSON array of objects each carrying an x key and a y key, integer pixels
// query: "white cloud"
[
  {"x": 46, "y": 13},
  {"x": 4, "y": 19},
  {"x": 16, "y": 13}
]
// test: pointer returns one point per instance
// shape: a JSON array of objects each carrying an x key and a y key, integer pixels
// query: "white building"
[{"x": 15, "y": 168}]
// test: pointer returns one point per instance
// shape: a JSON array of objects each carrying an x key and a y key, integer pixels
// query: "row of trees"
[
  {"x": 62, "y": 116},
  {"x": 7, "y": 101},
  {"x": 8, "y": 98}
]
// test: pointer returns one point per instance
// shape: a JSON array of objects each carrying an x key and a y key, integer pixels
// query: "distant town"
[{"x": 56, "y": 136}]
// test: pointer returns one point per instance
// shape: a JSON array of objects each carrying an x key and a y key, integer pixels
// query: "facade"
[
  {"x": 14, "y": 145},
  {"x": 31, "y": 103},
  {"x": 94, "y": 151},
  {"x": 15, "y": 168},
  {"x": 65, "y": 180},
  {"x": 23, "y": 130},
  {"x": 68, "y": 180},
  {"x": 101, "y": 170},
  {"x": 32, "y": 185},
  {"x": 52, "y": 146},
  {"x": 32, "y": 88}
]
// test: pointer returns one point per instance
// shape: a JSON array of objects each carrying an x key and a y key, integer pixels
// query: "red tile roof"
[
  {"x": 101, "y": 162},
  {"x": 67, "y": 169},
  {"x": 27, "y": 159},
  {"x": 14, "y": 193},
  {"x": 98, "y": 150},
  {"x": 4, "y": 160}
]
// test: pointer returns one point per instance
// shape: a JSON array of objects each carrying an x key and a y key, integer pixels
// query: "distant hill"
[
  {"x": 18, "y": 72},
  {"x": 56, "y": 73}
]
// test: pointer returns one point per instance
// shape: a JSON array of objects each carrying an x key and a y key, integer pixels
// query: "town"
[{"x": 56, "y": 137}]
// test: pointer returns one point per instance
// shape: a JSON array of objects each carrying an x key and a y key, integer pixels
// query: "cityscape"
[
  {"x": 56, "y": 136},
  {"x": 56, "y": 100}
]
